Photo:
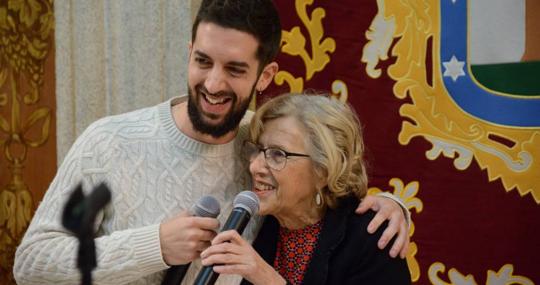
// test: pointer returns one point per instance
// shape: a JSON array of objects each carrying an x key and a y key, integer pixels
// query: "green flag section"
[{"x": 520, "y": 78}]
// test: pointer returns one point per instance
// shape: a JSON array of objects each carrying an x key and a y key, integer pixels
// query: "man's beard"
[{"x": 231, "y": 120}]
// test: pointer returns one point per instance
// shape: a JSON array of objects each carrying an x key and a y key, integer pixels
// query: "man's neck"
[{"x": 183, "y": 122}]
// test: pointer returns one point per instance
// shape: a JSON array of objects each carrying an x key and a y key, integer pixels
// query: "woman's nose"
[{"x": 258, "y": 163}]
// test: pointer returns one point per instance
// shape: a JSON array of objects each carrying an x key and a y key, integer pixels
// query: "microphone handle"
[
  {"x": 238, "y": 221},
  {"x": 206, "y": 276},
  {"x": 175, "y": 274}
]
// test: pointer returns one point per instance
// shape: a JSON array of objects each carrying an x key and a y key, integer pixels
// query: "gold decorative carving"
[
  {"x": 505, "y": 276},
  {"x": 26, "y": 28},
  {"x": 340, "y": 90},
  {"x": 294, "y": 43},
  {"x": 433, "y": 113},
  {"x": 407, "y": 194},
  {"x": 380, "y": 36},
  {"x": 296, "y": 85}
]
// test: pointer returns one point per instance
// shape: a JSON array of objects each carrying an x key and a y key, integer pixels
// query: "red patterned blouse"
[{"x": 294, "y": 251}]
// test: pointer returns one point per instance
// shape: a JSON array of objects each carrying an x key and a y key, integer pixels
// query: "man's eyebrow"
[
  {"x": 238, "y": 64},
  {"x": 201, "y": 54}
]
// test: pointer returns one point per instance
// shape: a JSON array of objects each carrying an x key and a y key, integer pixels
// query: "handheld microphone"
[
  {"x": 207, "y": 207},
  {"x": 245, "y": 205}
]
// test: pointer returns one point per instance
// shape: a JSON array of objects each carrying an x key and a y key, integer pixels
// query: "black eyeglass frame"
[{"x": 264, "y": 150}]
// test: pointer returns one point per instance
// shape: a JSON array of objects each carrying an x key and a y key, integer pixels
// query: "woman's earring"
[{"x": 318, "y": 199}]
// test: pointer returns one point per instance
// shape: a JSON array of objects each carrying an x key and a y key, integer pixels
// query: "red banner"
[{"x": 472, "y": 186}]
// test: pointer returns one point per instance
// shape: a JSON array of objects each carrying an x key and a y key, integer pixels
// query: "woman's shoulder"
[
  {"x": 357, "y": 251},
  {"x": 356, "y": 224},
  {"x": 346, "y": 209}
]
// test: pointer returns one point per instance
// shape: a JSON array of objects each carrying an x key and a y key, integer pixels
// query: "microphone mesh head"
[
  {"x": 248, "y": 201},
  {"x": 207, "y": 207}
]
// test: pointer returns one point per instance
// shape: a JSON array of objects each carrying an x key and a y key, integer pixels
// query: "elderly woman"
[{"x": 308, "y": 171}]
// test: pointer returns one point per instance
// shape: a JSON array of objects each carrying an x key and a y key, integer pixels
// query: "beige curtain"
[{"x": 114, "y": 56}]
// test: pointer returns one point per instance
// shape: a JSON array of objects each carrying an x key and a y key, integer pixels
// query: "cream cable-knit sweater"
[{"x": 154, "y": 172}]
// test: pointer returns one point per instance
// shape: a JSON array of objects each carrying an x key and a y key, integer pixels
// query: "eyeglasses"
[{"x": 275, "y": 158}]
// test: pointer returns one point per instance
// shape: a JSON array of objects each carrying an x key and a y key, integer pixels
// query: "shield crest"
[
  {"x": 460, "y": 116},
  {"x": 472, "y": 96}
]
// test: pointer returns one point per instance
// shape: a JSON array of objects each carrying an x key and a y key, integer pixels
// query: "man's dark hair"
[{"x": 258, "y": 18}]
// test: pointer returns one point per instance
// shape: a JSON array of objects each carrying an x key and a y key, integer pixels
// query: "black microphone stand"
[{"x": 78, "y": 217}]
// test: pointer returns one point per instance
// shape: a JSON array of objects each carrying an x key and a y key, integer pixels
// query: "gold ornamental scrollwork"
[
  {"x": 432, "y": 114},
  {"x": 26, "y": 28},
  {"x": 505, "y": 276},
  {"x": 294, "y": 43},
  {"x": 407, "y": 193}
]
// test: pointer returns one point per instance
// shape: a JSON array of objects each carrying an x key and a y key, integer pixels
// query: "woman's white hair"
[{"x": 334, "y": 140}]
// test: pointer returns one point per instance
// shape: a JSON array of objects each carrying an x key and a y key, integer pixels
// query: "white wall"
[{"x": 114, "y": 56}]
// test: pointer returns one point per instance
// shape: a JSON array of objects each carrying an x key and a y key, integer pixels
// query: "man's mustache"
[{"x": 199, "y": 88}]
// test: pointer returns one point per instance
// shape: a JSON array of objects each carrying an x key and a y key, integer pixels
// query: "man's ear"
[
  {"x": 190, "y": 47},
  {"x": 267, "y": 74}
]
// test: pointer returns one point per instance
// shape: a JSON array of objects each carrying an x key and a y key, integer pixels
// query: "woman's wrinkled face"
[{"x": 293, "y": 188}]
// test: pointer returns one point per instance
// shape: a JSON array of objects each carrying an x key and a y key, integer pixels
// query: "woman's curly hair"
[{"x": 334, "y": 140}]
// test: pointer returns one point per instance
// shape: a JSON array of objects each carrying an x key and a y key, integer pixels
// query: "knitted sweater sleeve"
[{"x": 48, "y": 252}]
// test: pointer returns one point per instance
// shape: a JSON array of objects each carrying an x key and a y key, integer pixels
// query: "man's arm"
[
  {"x": 388, "y": 207},
  {"x": 47, "y": 253}
]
